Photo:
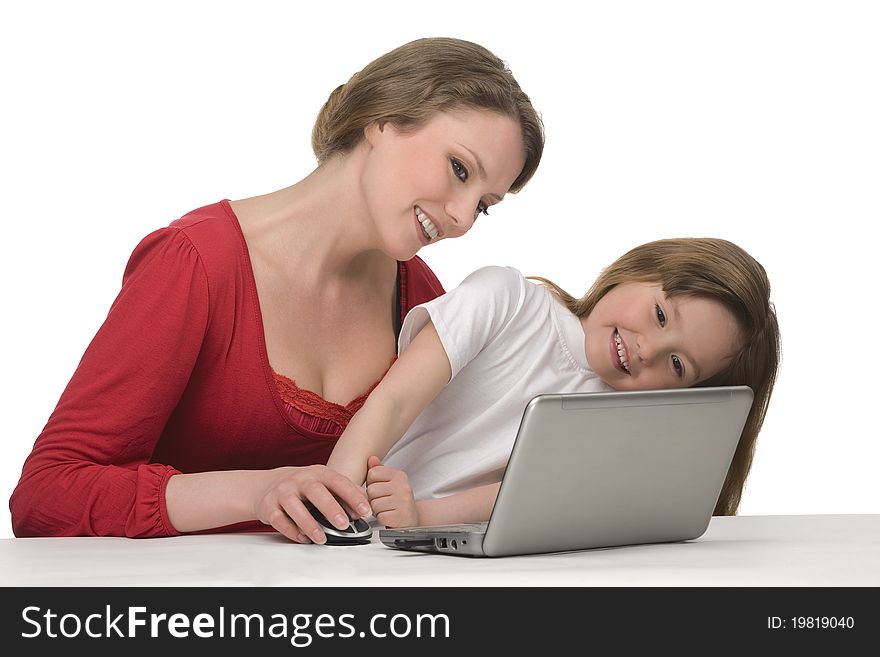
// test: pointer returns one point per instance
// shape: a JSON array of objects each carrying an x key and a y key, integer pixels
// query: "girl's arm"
[
  {"x": 409, "y": 386},
  {"x": 472, "y": 505},
  {"x": 393, "y": 505}
]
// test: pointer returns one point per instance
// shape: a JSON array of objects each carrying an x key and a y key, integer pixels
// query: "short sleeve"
[{"x": 470, "y": 316}]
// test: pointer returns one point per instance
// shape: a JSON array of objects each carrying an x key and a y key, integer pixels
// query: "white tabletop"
[{"x": 816, "y": 550}]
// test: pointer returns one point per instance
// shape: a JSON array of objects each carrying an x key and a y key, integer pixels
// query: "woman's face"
[
  {"x": 637, "y": 338},
  {"x": 430, "y": 184}
]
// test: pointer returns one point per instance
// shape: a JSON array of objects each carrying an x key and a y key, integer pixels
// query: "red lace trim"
[{"x": 312, "y": 404}]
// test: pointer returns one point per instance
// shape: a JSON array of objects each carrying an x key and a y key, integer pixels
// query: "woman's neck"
[{"x": 316, "y": 228}]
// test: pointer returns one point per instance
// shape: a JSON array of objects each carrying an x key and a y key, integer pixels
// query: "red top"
[{"x": 176, "y": 380}]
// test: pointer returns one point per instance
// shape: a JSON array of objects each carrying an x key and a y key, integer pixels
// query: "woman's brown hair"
[{"x": 410, "y": 84}]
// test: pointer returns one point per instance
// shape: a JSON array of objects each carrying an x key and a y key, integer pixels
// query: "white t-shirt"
[{"x": 507, "y": 340}]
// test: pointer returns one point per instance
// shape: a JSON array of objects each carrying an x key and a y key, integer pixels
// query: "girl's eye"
[
  {"x": 679, "y": 368},
  {"x": 459, "y": 169},
  {"x": 482, "y": 207},
  {"x": 661, "y": 316}
]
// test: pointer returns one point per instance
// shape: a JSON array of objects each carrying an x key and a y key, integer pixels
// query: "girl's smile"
[
  {"x": 618, "y": 352},
  {"x": 637, "y": 338}
]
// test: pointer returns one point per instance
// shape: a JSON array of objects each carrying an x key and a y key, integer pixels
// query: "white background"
[{"x": 758, "y": 122}]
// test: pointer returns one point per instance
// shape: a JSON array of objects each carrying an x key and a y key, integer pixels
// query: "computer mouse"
[{"x": 358, "y": 531}]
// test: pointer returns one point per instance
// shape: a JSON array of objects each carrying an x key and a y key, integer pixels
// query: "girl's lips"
[{"x": 615, "y": 357}]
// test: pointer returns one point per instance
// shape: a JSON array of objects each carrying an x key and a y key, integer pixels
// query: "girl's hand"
[
  {"x": 390, "y": 495},
  {"x": 282, "y": 501}
]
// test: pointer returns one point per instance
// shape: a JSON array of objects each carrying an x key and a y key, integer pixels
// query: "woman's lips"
[
  {"x": 425, "y": 231},
  {"x": 421, "y": 232}
]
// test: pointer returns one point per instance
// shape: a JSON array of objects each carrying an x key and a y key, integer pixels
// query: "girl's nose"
[{"x": 647, "y": 349}]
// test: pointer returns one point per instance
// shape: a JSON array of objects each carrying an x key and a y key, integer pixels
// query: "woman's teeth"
[
  {"x": 429, "y": 229},
  {"x": 621, "y": 354}
]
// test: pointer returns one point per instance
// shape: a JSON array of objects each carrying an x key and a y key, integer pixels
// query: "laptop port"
[
  {"x": 454, "y": 544},
  {"x": 441, "y": 543}
]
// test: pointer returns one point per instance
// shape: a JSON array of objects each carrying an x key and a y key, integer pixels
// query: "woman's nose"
[{"x": 462, "y": 213}]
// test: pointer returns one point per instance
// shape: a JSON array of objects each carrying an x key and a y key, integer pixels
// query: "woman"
[{"x": 247, "y": 333}]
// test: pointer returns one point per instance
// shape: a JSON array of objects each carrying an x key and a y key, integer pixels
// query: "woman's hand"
[
  {"x": 282, "y": 502},
  {"x": 390, "y": 495}
]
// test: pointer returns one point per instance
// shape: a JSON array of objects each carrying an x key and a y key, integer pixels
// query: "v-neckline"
[{"x": 268, "y": 371}]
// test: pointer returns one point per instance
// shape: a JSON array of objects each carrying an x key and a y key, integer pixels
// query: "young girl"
[{"x": 671, "y": 313}]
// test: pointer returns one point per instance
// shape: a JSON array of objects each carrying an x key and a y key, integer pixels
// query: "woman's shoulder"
[
  {"x": 207, "y": 238},
  {"x": 214, "y": 234},
  {"x": 211, "y": 227}
]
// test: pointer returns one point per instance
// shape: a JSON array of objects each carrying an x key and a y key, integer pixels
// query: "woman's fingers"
[
  {"x": 285, "y": 505},
  {"x": 284, "y": 525},
  {"x": 345, "y": 490}
]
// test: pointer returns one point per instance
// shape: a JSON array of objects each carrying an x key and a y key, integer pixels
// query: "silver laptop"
[{"x": 603, "y": 469}]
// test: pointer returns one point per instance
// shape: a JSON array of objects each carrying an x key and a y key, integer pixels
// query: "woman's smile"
[{"x": 429, "y": 229}]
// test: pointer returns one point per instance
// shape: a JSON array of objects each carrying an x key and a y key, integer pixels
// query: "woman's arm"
[
  {"x": 274, "y": 497},
  {"x": 413, "y": 381},
  {"x": 92, "y": 473}
]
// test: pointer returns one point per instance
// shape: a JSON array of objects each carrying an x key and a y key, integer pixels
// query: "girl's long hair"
[{"x": 714, "y": 269}]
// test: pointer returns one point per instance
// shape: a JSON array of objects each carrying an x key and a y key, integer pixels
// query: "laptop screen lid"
[{"x": 607, "y": 469}]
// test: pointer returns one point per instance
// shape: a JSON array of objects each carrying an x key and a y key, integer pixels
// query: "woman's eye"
[
  {"x": 661, "y": 316},
  {"x": 482, "y": 207},
  {"x": 459, "y": 170},
  {"x": 679, "y": 368}
]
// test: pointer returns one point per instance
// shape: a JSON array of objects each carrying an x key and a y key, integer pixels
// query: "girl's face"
[
  {"x": 637, "y": 338},
  {"x": 423, "y": 186}
]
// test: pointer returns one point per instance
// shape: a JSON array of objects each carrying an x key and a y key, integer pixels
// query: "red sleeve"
[{"x": 89, "y": 473}]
